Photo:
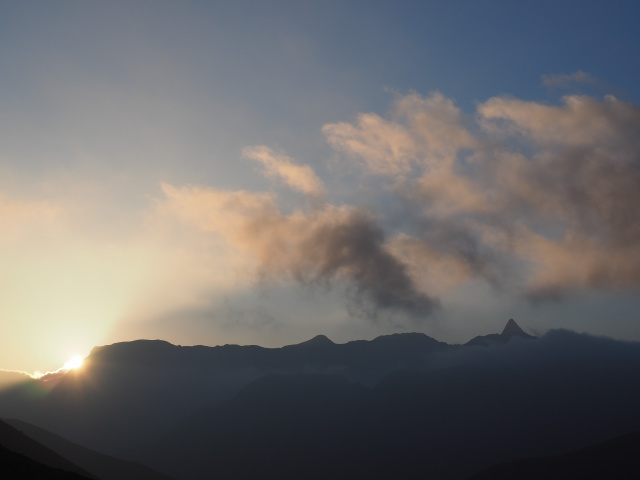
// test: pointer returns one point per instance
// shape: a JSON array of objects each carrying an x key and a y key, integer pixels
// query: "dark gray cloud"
[
  {"x": 316, "y": 246},
  {"x": 354, "y": 249}
]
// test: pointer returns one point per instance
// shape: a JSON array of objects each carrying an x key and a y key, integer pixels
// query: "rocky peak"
[{"x": 512, "y": 329}]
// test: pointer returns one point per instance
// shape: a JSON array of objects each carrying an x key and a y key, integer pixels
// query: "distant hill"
[{"x": 615, "y": 459}]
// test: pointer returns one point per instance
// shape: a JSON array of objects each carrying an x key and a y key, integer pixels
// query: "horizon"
[
  {"x": 403, "y": 405},
  {"x": 258, "y": 172},
  {"x": 76, "y": 361}
]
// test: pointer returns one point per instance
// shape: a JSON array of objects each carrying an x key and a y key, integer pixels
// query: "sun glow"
[{"x": 73, "y": 363}]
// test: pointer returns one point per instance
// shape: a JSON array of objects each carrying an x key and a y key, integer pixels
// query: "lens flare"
[{"x": 73, "y": 363}]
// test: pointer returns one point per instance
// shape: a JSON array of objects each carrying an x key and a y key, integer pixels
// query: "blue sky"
[{"x": 143, "y": 145}]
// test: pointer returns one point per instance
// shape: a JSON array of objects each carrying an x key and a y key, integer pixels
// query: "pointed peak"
[
  {"x": 318, "y": 340},
  {"x": 513, "y": 329}
]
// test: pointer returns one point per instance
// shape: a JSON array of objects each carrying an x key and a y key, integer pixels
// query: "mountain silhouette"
[
  {"x": 144, "y": 382},
  {"x": 397, "y": 406},
  {"x": 467, "y": 410},
  {"x": 512, "y": 329}
]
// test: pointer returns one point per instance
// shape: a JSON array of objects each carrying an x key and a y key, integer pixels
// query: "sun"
[{"x": 73, "y": 363}]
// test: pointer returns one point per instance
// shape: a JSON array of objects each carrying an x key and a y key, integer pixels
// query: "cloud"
[
  {"x": 385, "y": 147},
  {"x": 535, "y": 199},
  {"x": 298, "y": 177},
  {"x": 321, "y": 246},
  {"x": 540, "y": 197},
  {"x": 579, "y": 187},
  {"x": 580, "y": 121},
  {"x": 426, "y": 132}
]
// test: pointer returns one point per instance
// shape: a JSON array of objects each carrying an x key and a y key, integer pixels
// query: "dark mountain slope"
[
  {"x": 524, "y": 398},
  {"x": 467, "y": 409},
  {"x": 102, "y": 466},
  {"x": 280, "y": 426},
  {"x": 19, "y": 467},
  {"x": 615, "y": 459},
  {"x": 32, "y": 458}
]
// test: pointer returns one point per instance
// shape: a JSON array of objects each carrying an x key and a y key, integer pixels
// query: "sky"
[{"x": 260, "y": 172}]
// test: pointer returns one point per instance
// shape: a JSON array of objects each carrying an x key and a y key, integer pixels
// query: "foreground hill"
[
  {"x": 92, "y": 463},
  {"x": 23, "y": 457},
  {"x": 19, "y": 467},
  {"x": 615, "y": 459}
]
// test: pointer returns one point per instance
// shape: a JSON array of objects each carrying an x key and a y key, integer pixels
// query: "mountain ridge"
[
  {"x": 128, "y": 377},
  {"x": 397, "y": 406},
  {"x": 142, "y": 381}
]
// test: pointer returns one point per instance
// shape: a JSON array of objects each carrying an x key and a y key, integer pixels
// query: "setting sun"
[{"x": 73, "y": 363}]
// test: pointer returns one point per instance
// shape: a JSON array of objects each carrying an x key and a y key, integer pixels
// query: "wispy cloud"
[{"x": 276, "y": 165}]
